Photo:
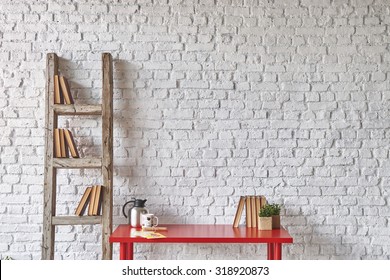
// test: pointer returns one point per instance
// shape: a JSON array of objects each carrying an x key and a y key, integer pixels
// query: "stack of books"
[
  {"x": 62, "y": 93},
  {"x": 252, "y": 205},
  {"x": 92, "y": 198},
  {"x": 64, "y": 143}
]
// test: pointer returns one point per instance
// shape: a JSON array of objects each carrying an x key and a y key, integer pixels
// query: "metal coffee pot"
[{"x": 134, "y": 213}]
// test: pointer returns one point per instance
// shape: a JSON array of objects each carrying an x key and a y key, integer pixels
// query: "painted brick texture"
[{"x": 213, "y": 99}]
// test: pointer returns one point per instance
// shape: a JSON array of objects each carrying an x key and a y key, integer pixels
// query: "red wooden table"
[{"x": 194, "y": 233}]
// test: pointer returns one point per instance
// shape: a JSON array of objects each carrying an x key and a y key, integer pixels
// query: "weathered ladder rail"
[{"x": 51, "y": 164}]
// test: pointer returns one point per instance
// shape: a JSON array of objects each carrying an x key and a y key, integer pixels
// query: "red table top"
[{"x": 194, "y": 233}]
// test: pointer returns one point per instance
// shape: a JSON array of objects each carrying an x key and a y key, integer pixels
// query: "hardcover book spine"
[
  {"x": 253, "y": 211},
  {"x": 258, "y": 206},
  {"x": 57, "y": 143},
  {"x": 92, "y": 202},
  {"x": 58, "y": 98},
  {"x": 248, "y": 212},
  {"x": 66, "y": 91},
  {"x": 239, "y": 211},
  {"x": 63, "y": 144},
  {"x": 83, "y": 202},
  {"x": 71, "y": 144},
  {"x": 97, "y": 200}
]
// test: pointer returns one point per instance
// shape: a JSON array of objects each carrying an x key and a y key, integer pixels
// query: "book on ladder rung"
[
  {"x": 92, "y": 198},
  {"x": 64, "y": 143},
  {"x": 95, "y": 203},
  {"x": 84, "y": 202},
  {"x": 62, "y": 93}
]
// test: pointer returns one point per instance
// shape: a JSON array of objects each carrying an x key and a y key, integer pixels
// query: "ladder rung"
[
  {"x": 76, "y": 220},
  {"x": 77, "y": 109},
  {"x": 77, "y": 163}
]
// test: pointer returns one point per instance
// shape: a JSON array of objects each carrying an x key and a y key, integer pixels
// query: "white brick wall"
[{"x": 213, "y": 99}]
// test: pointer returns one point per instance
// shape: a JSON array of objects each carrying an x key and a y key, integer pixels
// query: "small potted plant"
[
  {"x": 275, "y": 216},
  {"x": 265, "y": 214}
]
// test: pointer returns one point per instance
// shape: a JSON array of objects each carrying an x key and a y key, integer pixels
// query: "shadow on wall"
[
  {"x": 85, "y": 76},
  {"x": 137, "y": 125},
  {"x": 125, "y": 144}
]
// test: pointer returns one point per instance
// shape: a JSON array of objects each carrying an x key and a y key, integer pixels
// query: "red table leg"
[
  {"x": 130, "y": 251},
  {"x": 126, "y": 251},
  {"x": 123, "y": 251},
  {"x": 270, "y": 251},
  {"x": 277, "y": 251}
]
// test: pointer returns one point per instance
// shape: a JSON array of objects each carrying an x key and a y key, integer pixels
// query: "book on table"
[
  {"x": 258, "y": 207},
  {"x": 253, "y": 211},
  {"x": 252, "y": 205},
  {"x": 248, "y": 212},
  {"x": 239, "y": 211}
]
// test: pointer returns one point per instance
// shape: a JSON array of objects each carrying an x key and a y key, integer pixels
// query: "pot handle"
[{"x": 123, "y": 208}]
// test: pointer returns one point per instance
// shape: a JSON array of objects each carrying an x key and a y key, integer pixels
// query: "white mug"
[{"x": 149, "y": 220}]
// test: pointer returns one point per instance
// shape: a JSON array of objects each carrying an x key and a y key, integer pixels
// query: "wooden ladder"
[{"x": 105, "y": 162}]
